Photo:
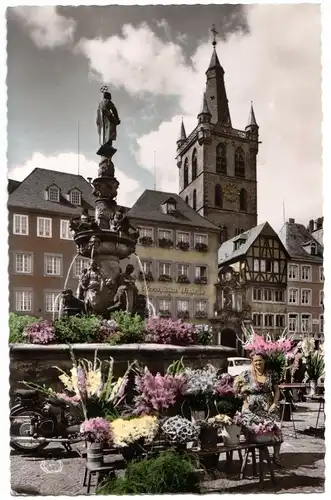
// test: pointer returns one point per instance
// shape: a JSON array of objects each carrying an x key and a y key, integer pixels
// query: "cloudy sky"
[{"x": 153, "y": 59}]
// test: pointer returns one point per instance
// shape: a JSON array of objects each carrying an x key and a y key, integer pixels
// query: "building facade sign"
[{"x": 175, "y": 291}]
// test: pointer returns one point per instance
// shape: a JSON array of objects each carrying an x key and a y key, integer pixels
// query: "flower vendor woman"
[{"x": 260, "y": 391}]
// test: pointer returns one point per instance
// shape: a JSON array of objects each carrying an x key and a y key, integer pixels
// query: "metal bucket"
[{"x": 95, "y": 454}]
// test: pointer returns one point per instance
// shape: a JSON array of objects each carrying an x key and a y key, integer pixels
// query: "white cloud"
[
  {"x": 68, "y": 162},
  {"x": 277, "y": 66},
  {"x": 46, "y": 27}
]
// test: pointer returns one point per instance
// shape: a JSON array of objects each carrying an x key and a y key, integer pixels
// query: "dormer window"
[
  {"x": 313, "y": 249},
  {"x": 169, "y": 206},
  {"x": 75, "y": 197},
  {"x": 54, "y": 194},
  {"x": 239, "y": 241}
]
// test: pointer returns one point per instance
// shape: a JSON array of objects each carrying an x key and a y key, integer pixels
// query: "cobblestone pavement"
[{"x": 302, "y": 472}]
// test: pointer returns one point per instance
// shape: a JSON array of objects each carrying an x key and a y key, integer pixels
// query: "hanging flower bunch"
[
  {"x": 179, "y": 430},
  {"x": 200, "y": 381},
  {"x": 157, "y": 392},
  {"x": 257, "y": 344},
  {"x": 126, "y": 432},
  {"x": 96, "y": 430},
  {"x": 225, "y": 386},
  {"x": 169, "y": 331}
]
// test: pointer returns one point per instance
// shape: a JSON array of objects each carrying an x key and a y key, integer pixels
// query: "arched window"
[
  {"x": 194, "y": 205},
  {"x": 239, "y": 163},
  {"x": 186, "y": 200},
  {"x": 218, "y": 196},
  {"x": 194, "y": 164},
  {"x": 221, "y": 163},
  {"x": 243, "y": 200},
  {"x": 186, "y": 173}
]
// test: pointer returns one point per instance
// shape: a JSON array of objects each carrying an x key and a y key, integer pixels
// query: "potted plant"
[
  {"x": 183, "y": 245},
  {"x": 315, "y": 368},
  {"x": 180, "y": 431},
  {"x": 183, "y": 279},
  {"x": 133, "y": 434},
  {"x": 146, "y": 240},
  {"x": 201, "y": 280},
  {"x": 166, "y": 243},
  {"x": 199, "y": 390},
  {"x": 201, "y": 247},
  {"x": 230, "y": 428},
  {"x": 97, "y": 432},
  {"x": 183, "y": 314},
  {"x": 165, "y": 277}
]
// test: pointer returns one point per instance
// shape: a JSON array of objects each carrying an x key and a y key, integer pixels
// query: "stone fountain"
[{"x": 107, "y": 238}]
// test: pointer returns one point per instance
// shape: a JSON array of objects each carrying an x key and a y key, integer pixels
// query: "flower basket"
[
  {"x": 231, "y": 434},
  {"x": 208, "y": 437},
  {"x": 201, "y": 247},
  {"x": 146, "y": 241},
  {"x": 183, "y": 245},
  {"x": 95, "y": 454},
  {"x": 165, "y": 243}
]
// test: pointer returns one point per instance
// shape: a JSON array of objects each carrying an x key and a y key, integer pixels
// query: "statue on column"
[{"x": 107, "y": 122}]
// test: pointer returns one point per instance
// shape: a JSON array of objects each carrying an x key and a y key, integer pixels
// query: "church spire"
[
  {"x": 215, "y": 90},
  {"x": 182, "y": 135},
  {"x": 205, "y": 114},
  {"x": 251, "y": 118}
]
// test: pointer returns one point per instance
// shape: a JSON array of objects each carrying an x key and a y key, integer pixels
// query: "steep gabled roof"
[
  {"x": 227, "y": 253},
  {"x": 30, "y": 194},
  {"x": 148, "y": 207},
  {"x": 295, "y": 237},
  {"x": 12, "y": 185}
]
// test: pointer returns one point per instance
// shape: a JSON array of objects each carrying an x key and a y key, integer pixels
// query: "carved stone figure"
[
  {"x": 71, "y": 304},
  {"x": 107, "y": 122},
  {"x": 116, "y": 222},
  {"x": 120, "y": 300},
  {"x": 126, "y": 279},
  {"x": 228, "y": 298},
  {"x": 106, "y": 168}
]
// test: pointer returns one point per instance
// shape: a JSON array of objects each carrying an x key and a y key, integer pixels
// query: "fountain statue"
[{"x": 107, "y": 238}]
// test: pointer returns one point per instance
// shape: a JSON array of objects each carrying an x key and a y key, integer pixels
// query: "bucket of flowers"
[
  {"x": 97, "y": 433},
  {"x": 179, "y": 431},
  {"x": 226, "y": 399},
  {"x": 229, "y": 428},
  {"x": 199, "y": 390},
  {"x": 133, "y": 435},
  {"x": 257, "y": 430}
]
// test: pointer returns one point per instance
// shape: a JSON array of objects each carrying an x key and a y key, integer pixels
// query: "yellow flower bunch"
[
  {"x": 128, "y": 431},
  {"x": 219, "y": 420}
]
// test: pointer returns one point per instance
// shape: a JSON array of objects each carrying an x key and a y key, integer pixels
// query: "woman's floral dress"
[{"x": 259, "y": 397}]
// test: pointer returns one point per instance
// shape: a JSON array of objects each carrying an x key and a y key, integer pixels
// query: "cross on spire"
[{"x": 214, "y": 32}]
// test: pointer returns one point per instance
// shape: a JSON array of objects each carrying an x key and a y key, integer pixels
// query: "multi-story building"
[
  {"x": 178, "y": 253},
  {"x": 305, "y": 293},
  {"x": 217, "y": 163},
  {"x": 41, "y": 248},
  {"x": 257, "y": 260}
]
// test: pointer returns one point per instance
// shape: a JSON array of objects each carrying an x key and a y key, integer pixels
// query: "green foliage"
[
  {"x": 77, "y": 329},
  {"x": 315, "y": 365},
  {"x": 226, "y": 405},
  {"x": 176, "y": 368},
  {"x": 17, "y": 325},
  {"x": 168, "y": 473},
  {"x": 277, "y": 364},
  {"x": 131, "y": 328}
]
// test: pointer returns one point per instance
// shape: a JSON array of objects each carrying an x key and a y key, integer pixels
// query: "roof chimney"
[
  {"x": 311, "y": 226},
  {"x": 291, "y": 221}
]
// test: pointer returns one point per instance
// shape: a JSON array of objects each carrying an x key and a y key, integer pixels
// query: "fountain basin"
[
  {"x": 109, "y": 243},
  {"x": 32, "y": 362}
]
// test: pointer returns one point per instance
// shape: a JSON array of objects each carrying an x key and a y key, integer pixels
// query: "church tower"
[{"x": 217, "y": 163}]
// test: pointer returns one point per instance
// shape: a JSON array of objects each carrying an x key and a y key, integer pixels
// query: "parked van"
[{"x": 238, "y": 365}]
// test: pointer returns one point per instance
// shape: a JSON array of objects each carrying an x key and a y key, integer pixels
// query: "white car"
[{"x": 238, "y": 365}]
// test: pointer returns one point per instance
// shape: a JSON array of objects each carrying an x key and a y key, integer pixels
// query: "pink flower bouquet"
[{"x": 96, "y": 430}]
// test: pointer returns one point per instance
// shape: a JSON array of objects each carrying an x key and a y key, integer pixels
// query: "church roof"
[{"x": 251, "y": 117}]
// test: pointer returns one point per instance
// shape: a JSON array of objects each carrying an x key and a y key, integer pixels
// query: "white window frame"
[
  {"x": 73, "y": 193},
  {"x": 46, "y": 303},
  {"x": 308, "y": 303},
  {"x": 270, "y": 292},
  {"x": 29, "y": 258},
  {"x": 301, "y": 274},
  {"x": 39, "y": 232},
  {"x": 56, "y": 190},
  {"x": 296, "y": 273},
  {"x": 164, "y": 302},
  {"x": 53, "y": 256},
  {"x": 261, "y": 294},
  {"x": 21, "y": 218},
  {"x": 283, "y": 315},
  {"x": 200, "y": 308},
  {"x": 181, "y": 268},
  {"x": 256, "y": 265},
  {"x": 271, "y": 315},
  {"x": 296, "y": 302},
  {"x": 180, "y": 239},
  {"x": 28, "y": 296},
  {"x": 147, "y": 266},
  {"x": 79, "y": 265},
  {"x": 143, "y": 232},
  {"x": 296, "y": 329},
  {"x": 180, "y": 305},
  {"x": 160, "y": 231},
  {"x": 162, "y": 268},
  {"x": 260, "y": 315},
  {"x": 198, "y": 274},
  {"x": 200, "y": 238},
  {"x": 67, "y": 234},
  {"x": 304, "y": 330},
  {"x": 321, "y": 274},
  {"x": 283, "y": 292}
]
